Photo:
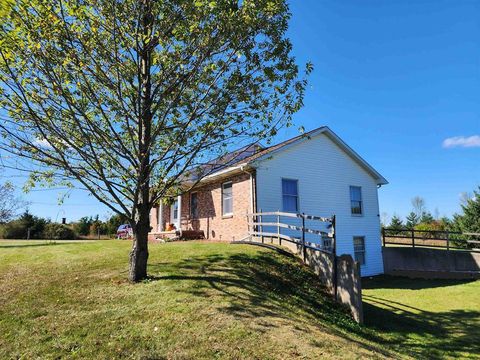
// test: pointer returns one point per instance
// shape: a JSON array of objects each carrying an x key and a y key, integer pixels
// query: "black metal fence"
[{"x": 442, "y": 239}]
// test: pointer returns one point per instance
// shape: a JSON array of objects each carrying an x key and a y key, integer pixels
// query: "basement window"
[{"x": 359, "y": 249}]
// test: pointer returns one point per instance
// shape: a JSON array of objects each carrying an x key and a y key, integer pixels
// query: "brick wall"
[{"x": 210, "y": 218}]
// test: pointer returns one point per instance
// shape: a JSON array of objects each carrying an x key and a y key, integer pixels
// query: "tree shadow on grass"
[
  {"x": 416, "y": 332},
  {"x": 266, "y": 285},
  {"x": 424, "y": 334}
]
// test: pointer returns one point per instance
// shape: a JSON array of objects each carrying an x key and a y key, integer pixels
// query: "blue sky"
[{"x": 394, "y": 79}]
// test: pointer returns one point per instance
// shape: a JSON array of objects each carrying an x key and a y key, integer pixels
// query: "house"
[{"x": 316, "y": 173}]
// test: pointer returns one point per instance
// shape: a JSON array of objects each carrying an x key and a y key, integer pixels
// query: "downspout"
[
  {"x": 253, "y": 194},
  {"x": 253, "y": 189}
]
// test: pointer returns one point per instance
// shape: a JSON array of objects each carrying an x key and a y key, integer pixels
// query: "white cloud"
[
  {"x": 462, "y": 141},
  {"x": 42, "y": 143}
]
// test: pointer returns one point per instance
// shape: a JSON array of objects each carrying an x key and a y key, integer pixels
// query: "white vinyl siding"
[
  {"x": 325, "y": 173},
  {"x": 290, "y": 195},
  {"x": 227, "y": 199}
]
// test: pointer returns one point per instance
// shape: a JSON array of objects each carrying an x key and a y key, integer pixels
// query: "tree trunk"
[
  {"x": 141, "y": 228},
  {"x": 139, "y": 252}
]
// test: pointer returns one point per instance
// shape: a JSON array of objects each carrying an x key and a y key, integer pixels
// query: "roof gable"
[{"x": 266, "y": 153}]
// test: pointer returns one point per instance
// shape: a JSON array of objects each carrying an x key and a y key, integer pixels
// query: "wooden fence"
[
  {"x": 327, "y": 240},
  {"x": 442, "y": 239}
]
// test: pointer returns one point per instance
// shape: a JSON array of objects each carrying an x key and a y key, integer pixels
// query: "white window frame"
[
  {"x": 224, "y": 214},
  {"x": 363, "y": 252},
  {"x": 173, "y": 219},
  {"x": 351, "y": 200},
  {"x": 297, "y": 196}
]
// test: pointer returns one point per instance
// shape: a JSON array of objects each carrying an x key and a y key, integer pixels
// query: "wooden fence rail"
[{"x": 256, "y": 223}]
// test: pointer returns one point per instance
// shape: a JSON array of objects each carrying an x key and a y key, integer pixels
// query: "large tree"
[
  {"x": 123, "y": 98},
  {"x": 418, "y": 204}
]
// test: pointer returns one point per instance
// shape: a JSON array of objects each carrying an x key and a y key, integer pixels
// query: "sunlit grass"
[{"x": 202, "y": 301}]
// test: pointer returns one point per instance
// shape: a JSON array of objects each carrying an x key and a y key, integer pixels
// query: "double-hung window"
[
  {"x": 356, "y": 204},
  {"x": 194, "y": 205},
  {"x": 174, "y": 212},
  {"x": 227, "y": 199},
  {"x": 359, "y": 249},
  {"x": 290, "y": 195}
]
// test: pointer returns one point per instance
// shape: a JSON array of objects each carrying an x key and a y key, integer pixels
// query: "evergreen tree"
[
  {"x": 426, "y": 218},
  {"x": 470, "y": 220},
  {"x": 446, "y": 223},
  {"x": 412, "y": 220},
  {"x": 396, "y": 224}
]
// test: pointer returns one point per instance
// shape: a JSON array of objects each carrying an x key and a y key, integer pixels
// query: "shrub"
[
  {"x": 19, "y": 228},
  {"x": 114, "y": 222},
  {"x": 55, "y": 231},
  {"x": 13, "y": 230},
  {"x": 431, "y": 226},
  {"x": 82, "y": 227}
]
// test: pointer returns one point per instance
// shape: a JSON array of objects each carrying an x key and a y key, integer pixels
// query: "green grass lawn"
[
  {"x": 214, "y": 300},
  {"x": 425, "y": 318}
]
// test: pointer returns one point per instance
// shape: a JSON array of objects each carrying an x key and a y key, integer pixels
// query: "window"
[
  {"x": 174, "y": 212},
  {"x": 194, "y": 205},
  {"x": 290, "y": 195},
  {"x": 227, "y": 199},
  {"x": 356, "y": 200},
  {"x": 359, "y": 249},
  {"x": 327, "y": 243}
]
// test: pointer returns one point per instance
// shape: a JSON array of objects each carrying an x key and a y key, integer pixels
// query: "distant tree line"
[
  {"x": 28, "y": 226},
  {"x": 89, "y": 225},
  {"x": 468, "y": 220}
]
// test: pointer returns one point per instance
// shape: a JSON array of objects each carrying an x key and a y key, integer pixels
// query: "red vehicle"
[{"x": 124, "y": 232}]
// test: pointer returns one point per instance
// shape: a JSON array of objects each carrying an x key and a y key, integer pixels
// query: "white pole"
[{"x": 160, "y": 217}]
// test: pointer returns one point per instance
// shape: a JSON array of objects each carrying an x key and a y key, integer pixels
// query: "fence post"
[
  {"x": 334, "y": 253},
  {"x": 261, "y": 226},
  {"x": 303, "y": 238},
  {"x": 278, "y": 229},
  {"x": 383, "y": 236},
  {"x": 413, "y": 238},
  {"x": 448, "y": 240}
]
